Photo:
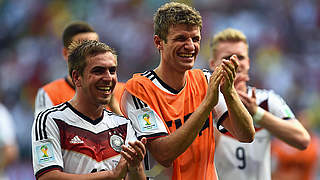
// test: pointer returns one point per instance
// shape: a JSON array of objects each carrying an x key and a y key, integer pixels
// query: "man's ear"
[
  {"x": 76, "y": 78},
  {"x": 158, "y": 42},
  {"x": 65, "y": 53}
]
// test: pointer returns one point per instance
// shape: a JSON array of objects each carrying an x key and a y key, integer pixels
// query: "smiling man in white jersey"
[
  {"x": 80, "y": 139},
  {"x": 271, "y": 116}
]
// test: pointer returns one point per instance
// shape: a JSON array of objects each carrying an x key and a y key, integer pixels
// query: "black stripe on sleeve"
[
  {"x": 47, "y": 169},
  {"x": 153, "y": 136}
]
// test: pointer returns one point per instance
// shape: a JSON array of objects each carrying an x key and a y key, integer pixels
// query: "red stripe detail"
[
  {"x": 96, "y": 146},
  {"x": 47, "y": 170},
  {"x": 155, "y": 137}
]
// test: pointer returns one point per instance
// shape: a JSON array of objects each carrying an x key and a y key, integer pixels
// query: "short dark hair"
[
  {"x": 80, "y": 50},
  {"x": 174, "y": 13},
  {"x": 73, "y": 29}
]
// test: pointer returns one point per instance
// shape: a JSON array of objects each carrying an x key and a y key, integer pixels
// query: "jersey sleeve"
[
  {"x": 42, "y": 101},
  {"x": 46, "y": 149},
  {"x": 278, "y": 107},
  {"x": 131, "y": 134},
  {"x": 145, "y": 121},
  {"x": 7, "y": 133}
]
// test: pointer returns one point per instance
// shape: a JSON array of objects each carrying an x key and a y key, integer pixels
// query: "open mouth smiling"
[
  {"x": 186, "y": 55},
  {"x": 106, "y": 89}
]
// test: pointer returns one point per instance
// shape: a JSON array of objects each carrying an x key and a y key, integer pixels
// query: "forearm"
[
  {"x": 240, "y": 123},
  {"x": 58, "y": 175},
  {"x": 136, "y": 174},
  {"x": 167, "y": 149},
  {"x": 289, "y": 131}
]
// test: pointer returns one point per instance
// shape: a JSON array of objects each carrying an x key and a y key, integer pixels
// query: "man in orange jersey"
[
  {"x": 178, "y": 101},
  {"x": 62, "y": 90},
  {"x": 294, "y": 164}
]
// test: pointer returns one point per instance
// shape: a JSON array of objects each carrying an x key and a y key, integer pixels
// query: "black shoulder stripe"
[
  {"x": 135, "y": 102},
  {"x": 138, "y": 103},
  {"x": 147, "y": 74},
  {"x": 45, "y": 119},
  {"x": 38, "y": 122},
  {"x": 41, "y": 134},
  {"x": 142, "y": 104}
]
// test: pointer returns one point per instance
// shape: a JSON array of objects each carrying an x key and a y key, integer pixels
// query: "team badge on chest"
[{"x": 116, "y": 142}]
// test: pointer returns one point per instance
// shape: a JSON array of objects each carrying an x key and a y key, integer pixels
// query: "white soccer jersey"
[
  {"x": 251, "y": 161},
  {"x": 134, "y": 109},
  {"x": 65, "y": 139}
]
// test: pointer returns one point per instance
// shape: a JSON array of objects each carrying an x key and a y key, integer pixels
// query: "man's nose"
[
  {"x": 107, "y": 76},
  {"x": 189, "y": 44}
]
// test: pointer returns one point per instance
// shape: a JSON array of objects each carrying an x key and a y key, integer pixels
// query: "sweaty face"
[
  {"x": 99, "y": 78},
  {"x": 225, "y": 50},
  {"x": 182, "y": 46}
]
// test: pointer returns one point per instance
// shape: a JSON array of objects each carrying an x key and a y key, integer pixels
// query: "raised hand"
[
  {"x": 249, "y": 102},
  {"x": 230, "y": 68},
  {"x": 213, "y": 86},
  {"x": 134, "y": 154}
]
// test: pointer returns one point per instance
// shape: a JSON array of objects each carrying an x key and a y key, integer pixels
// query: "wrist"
[
  {"x": 258, "y": 115},
  {"x": 232, "y": 94}
]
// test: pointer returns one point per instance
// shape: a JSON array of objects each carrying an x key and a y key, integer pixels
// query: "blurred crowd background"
[{"x": 284, "y": 38}]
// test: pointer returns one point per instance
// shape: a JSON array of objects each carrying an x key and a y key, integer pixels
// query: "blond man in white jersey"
[
  {"x": 80, "y": 139},
  {"x": 271, "y": 116}
]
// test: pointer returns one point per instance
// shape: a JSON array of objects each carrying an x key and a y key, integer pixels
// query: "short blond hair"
[
  {"x": 174, "y": 13},
  {"x": 227, "y": 35}
]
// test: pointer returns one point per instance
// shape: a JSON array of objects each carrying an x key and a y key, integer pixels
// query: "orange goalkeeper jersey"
[{"x": 197, "y": 162}]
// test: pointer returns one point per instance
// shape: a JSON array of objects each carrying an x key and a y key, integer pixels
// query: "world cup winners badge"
[
  {"x": 44, "y": 153},
  {"x": 116, "y": 142},
  {"x": 147, "y": 121}
]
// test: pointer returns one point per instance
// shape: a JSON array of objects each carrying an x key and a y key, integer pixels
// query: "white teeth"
[
  {"x": 104, "y": 88},
  {"x": 185, "y": 55}
]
